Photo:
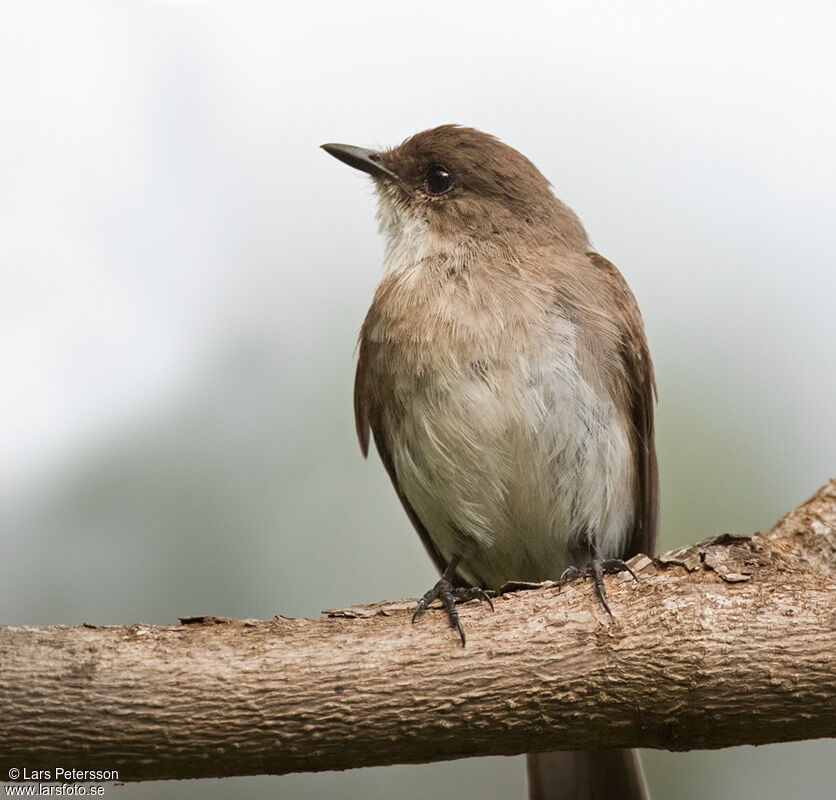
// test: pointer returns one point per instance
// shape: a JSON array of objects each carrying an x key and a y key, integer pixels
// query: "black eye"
[{"x": 439, "y": 179}]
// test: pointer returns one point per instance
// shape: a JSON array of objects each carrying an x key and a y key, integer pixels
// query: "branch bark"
[{"x": 730, "y": 641}]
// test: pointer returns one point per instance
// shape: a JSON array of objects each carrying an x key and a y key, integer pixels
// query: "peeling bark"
[{"x": 730, "y": 641}]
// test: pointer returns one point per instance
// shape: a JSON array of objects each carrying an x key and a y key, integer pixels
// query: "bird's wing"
[
  {"x": 640, "y": 391},
  {"x": 367, "y": 409}
]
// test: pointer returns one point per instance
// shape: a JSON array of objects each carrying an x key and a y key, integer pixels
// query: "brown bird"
[{"x": 505, "y": 377}]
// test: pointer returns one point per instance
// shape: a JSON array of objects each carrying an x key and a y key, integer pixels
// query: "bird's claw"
[
  {"x": 449, "y": 596},
  {"x": 596, "y": 570}
]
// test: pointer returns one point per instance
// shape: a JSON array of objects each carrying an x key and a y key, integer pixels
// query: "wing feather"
[
  {"x": 639, "y": 394},
  {"x": 367, "y": 412}
]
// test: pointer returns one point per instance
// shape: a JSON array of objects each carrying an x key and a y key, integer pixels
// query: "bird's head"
[{"x": 456, "y": 183}]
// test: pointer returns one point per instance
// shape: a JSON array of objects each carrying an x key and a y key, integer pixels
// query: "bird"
[{"x": 504, "y": 375}]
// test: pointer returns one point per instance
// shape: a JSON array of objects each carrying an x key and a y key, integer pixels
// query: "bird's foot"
[
  {"x": 596, "y": 570},
  {"x": 449, "y": 596}
]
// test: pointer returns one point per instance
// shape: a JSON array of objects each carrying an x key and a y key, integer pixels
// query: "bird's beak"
[{"x": 360, "y": 158}]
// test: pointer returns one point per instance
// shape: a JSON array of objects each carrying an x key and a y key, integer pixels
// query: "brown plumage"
[
  {"x": 503, "y": 372},
  {"x": 612, "y": 356}
]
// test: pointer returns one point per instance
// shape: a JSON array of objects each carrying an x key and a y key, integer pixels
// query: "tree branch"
[{"x": 731, "y": 641}]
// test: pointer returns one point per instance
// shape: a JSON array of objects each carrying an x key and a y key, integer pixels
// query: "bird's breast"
[{"x": 505, "y": 452}]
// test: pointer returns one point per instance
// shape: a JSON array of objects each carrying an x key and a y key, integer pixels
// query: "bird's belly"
[{"x": 513, "y": 467}]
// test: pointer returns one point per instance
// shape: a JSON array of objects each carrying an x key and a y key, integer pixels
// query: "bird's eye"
[{"x": 439, "y": 179}]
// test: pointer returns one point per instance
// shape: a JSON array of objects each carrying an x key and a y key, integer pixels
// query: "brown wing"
[
  {"x": 640, "y": 396},
  {"x": 367, "y": 418}
]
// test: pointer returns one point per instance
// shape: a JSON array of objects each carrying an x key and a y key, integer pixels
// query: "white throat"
[{"x": 409, "y": 240}]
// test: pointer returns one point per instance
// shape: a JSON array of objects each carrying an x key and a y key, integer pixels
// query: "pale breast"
[{"x": 507, "y": 455}]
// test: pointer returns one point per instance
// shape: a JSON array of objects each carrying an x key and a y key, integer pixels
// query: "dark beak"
[{"x": 360, "y": 158}]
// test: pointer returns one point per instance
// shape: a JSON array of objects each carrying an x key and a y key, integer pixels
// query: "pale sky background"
[{"x": 183, "y": 274}]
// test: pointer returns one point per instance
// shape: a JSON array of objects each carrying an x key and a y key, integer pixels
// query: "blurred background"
[{"x": 183, "y": 274}]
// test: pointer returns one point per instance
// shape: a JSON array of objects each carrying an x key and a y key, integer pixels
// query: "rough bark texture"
[{"x": 730, "y": 641}]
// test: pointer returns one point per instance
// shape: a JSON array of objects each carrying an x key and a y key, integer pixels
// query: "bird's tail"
[{"x": 586, "y": 775}]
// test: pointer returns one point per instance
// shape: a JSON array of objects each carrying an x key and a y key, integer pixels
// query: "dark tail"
[{"x": 587, "y": 775}]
